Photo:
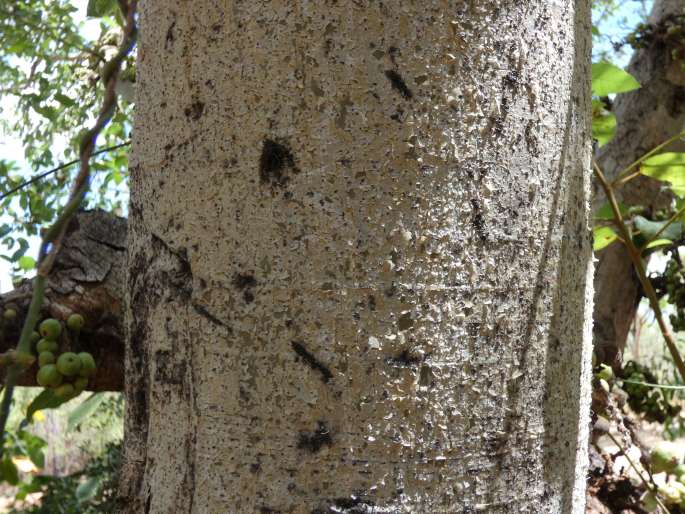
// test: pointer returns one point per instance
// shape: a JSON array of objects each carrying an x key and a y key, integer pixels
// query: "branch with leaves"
[{"x": 52, "y": 237}]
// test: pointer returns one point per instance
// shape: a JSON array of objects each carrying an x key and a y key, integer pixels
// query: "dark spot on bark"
[
  {"x": 211, "y": 317},
  {"x": 245, "y": 282},
  {"x": 168, "y": 371},
  {"x": 372, "y": 302},
  {"x": 399, "y": 84},
  {"x": 405, "y": 321},
  {"x": 217, "y": 27},
  {"x": 406, "y": 358},
  {"x": 314, "y": 441},
  {"x": 255, "y": 467},
  {"x": 195, "y": 110},
  {"x": 169, "y": 39},
  {"x": 268, "y": 510},
  {"x": 312, "y": 361},
  {"x": 511, "y": 79},
  {"x": 478, "y": 221},
  {"x": 677, "y": 104},
  {"x": 148, "y": 503},
  {"x": 531, "y": 139},
  {"x": 276, "y": 158}
]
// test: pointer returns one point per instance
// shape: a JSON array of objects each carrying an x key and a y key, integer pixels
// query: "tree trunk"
[
  {"x": 646, "y": 117},
  {"x": 359, "y": 258},
  {"x": 88, "y": 278}
]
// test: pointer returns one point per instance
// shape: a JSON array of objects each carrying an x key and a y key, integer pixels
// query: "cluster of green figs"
[{"x": 66, "y": 373}]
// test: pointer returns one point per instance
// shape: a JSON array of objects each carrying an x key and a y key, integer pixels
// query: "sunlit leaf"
[
  {"x": 608, "y": 79},
  {"x": 604, "y": 128},
  {"x": 658, "y": 242},
  {"x": 83, "y": 411},
  {"x": 606, "y": 213},
  {"x": 603, "y": 237}
]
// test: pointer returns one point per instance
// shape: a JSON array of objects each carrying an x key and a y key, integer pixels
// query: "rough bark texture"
[
  {"x": 88, "y": 277},
  {"x": 359, "y": 258},
  {"x": 646, "y": 118}
]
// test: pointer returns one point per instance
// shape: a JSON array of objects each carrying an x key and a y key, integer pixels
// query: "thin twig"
[
  {"x": 646, "y": 156},
  {"x": 640, "y": 270},
  {"x": 53, "y": 236},
  {"x": 656, "y": 386},
  {"x": 41, "y": 176},
  {"x": 639, "y": 473},
  {"x": 666, "y": 225}
]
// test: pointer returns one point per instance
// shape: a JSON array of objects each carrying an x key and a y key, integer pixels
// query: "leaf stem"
[
  {"x": 639, "y": 473},
  {"x": 640, "y": 270},
  {"x": 628, "y": 169},
  {"x": 53, "y": 236}
]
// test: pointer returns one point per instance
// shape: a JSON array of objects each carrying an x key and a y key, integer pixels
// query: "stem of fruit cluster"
[
  {"x": 640, "y": 270},
  {"x": 53, "y": 236},
  {"x": 639, "y": 473}
]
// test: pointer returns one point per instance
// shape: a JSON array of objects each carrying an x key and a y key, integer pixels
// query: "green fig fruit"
[
  {"x": 50, "y": 329},
  {"x": 35, "y": 337},
  {"x": 10, "y": 314},
  {"x": 45, "y": 345},
  {"x": 75, "y": 322},
  {"x": 69, "y": 364},
  {"x": 45, "y": 358},
  {"x": 87, "y": 364},
  {"x": 48, "y": 376},
  {"x": 605, "y": 372},
  {"x": 80, "y": 384},
  {"x": 65, "y": 391},
  {"x": 665, "y": 456}
]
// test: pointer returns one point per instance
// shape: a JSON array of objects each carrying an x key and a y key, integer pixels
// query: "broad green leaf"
[
  {"x": 667, "y": 159},
  {"x": 605, "y": 212},
  {"x": 648, "y": 229},
  {"x": 100, "y": 8},
  {"x": 64, "y": 100},
  {"x": 608, "y": 78},
  {"x": 45, "y": 400},
  {"x": 603, "y": 237},
  {"x": 658, "y": 242},
  {"x": 27, "y": 263},
  {"x": 604, "y": 128},
  {"x": 86, "y": 490},
  {"x": 9, "y": 470},
  {"x": 88, "y": 407},
  {"x": 667, "y": 167}
]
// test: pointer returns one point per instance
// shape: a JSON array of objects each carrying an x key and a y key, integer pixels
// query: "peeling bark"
[
  {"x": 646, "y": 117},
  {"x": 359, "y": 258},
  {"x": 88, "y": 277}
]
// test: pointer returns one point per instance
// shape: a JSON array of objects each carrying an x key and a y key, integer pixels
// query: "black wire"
[{"x": 60, "y": 167}]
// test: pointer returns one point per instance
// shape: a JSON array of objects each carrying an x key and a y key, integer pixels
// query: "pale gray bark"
[
  {"x": 646, "y": 117},
  {"x": 359, "y": 258}
]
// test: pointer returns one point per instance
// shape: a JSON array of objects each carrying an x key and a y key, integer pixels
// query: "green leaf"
[
  {"x": 648, "y": 229},
  {"x": 667, "y": 167},
  {"x": 603, "y": 237},
  {"x": 604, "y": 128},
  {"x": 658, "y": 242},
  {"x": 64, "y": 100},
  {"x": 27, "y": 263},
  {"x": 100, "y": 8},
  {"x": 88, "y": 407},
  {"x": 45, "y": 400},
  {"x": 605, "y": 212},
  {"x": 9, "y": 470},
  {"x": 86, "y": 490},
  {"x": 608, "y": 78}
]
